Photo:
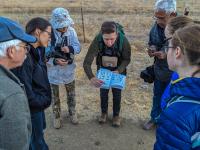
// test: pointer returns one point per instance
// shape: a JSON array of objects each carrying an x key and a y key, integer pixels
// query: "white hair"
[
  {"x": 169, "y": 6},
  {"x": 5, "y": 45}
]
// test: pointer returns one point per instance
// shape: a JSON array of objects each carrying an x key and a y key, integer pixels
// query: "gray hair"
[
  {"x": 169, "y": 6},
  {"x": 5, "y": 45}
]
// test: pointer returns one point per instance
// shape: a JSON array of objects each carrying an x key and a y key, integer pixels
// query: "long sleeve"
[
  {"x": 126, "y": 56},
  {"x": 75, "y": 46},
  {"x": 89, "y": 58},
  {"x": 37, "y": 99},
  {"x": 15, "y": 123}
]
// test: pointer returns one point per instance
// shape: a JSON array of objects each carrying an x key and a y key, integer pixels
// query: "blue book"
[{"x": 110, "y": 79}]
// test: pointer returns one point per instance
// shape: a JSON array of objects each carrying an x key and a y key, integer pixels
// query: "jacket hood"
[{"x": 188, "y": 87}]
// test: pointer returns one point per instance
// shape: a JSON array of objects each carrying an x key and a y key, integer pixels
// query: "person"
[
  {"x": 108, "y": 41},
  {"x": 164, "y": 10},
  {"x": 15, "y": 120},
  {"x": 33, "y": 74},
  {"x": 179, "y": 123},
  {"x": 173, "y": 25},
  {"x": 62, "y": 70}
]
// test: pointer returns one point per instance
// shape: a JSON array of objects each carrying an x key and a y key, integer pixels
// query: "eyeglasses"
[
  {"x": 49, "y": 33},
  {"x": 158, "y": 18},
  {"x": 167, "y": 39},
  {"x": 166, "y": 48},
  {"x": 26, "y": 47}
]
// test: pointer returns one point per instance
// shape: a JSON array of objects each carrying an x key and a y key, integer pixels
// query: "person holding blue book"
[{"x": 113, "y": 52}]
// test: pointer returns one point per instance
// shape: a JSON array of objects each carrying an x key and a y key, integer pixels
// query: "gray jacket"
[{"x": 15, "y": 120}]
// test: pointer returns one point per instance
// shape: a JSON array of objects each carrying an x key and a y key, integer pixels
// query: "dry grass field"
[{"x": 136, "y": 17}]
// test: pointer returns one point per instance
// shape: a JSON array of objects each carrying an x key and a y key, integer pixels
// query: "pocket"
[{"x": 109, "y": 61}]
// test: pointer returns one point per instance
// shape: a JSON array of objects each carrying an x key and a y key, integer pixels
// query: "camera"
[
  {"x": 57, "y": 53},
  {"x": 148, "y": 74}
]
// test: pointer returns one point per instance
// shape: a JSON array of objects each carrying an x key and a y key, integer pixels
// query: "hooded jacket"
[
  {"x": 33, "y": 74},
  {"x": 179, "y": 123}
]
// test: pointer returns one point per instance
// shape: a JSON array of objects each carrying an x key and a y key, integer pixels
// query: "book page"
[
  {"x": 104, "y": 75},
  {"x": 118, "y": 81}
]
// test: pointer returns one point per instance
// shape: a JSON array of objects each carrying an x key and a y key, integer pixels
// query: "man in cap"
[
  {"x": 61, "y": 68},
  {"x": 15, "y": 122},
  {"x": 163, "y": 11}
]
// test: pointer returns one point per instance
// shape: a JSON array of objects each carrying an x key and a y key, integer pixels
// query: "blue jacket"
[
  {"x": 166, "y": 94},
  {"x": 33, "y": 74},
  {"x": 179, "y": 124}
]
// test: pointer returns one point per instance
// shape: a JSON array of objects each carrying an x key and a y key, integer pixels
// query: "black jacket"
[{"x": 33, "y": 74}]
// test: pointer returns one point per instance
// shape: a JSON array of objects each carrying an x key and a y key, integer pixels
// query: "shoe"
[
  {"x": 116, "y": 121},
  {"x": 149, "y": 125},
  {"x": 57, "y": 123},
  {"x": 103, "y": 118},
  {"x": 74, "y": 119}
]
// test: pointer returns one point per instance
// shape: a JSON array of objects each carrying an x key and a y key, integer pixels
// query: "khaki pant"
[{"x": 71, "y": 102}]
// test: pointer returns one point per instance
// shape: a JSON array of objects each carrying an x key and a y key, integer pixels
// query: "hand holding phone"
[{"x": 151, "y": 50}]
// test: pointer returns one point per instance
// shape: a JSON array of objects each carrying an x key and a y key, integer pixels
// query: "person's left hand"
[
  {"x": 160, "y": 54},
  {"x": 65, "y": 49}
]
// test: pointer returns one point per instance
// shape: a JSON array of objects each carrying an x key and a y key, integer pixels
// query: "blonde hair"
[{"x": 188, "y": 39}]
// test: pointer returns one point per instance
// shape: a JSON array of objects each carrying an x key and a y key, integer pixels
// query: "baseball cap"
[{"x": 10, "y": 30}]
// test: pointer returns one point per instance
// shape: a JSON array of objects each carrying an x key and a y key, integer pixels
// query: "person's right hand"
[
  {"x": 151, "y": 50},
  {"x": 151, "y": 53},
  {"x": 96, "y": 82},
  {"x": 61, "y": 62}
]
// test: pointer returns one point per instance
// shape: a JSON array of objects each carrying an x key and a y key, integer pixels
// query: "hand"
[
  {"x": 151, "y": 50},
  {"x": 160, "y": 54},
  {"x": 151, "y": 53},
  {"x": 96, "y": 82},
  {"x": 65, "y": 49},
  {"x": 116, "y": 71},
  {"x": 61, "y": 62}
]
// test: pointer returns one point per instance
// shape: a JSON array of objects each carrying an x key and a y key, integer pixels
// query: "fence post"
[{"x": 83, "y": 26}]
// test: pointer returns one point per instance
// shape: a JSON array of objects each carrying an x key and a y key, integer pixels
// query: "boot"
[
  {"x": 103, "y": 118},
  {"x": 57, "y": 123},
  {"x": 149, "y": 125},
  {"x": 116, "y": 121},
  {"x": 74, "y": 119}
]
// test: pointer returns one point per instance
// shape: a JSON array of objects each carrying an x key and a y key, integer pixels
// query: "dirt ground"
[{"x": 89, "y": 135}]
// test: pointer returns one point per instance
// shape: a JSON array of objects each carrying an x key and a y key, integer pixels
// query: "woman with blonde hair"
[{"x": 179, "y": 123}]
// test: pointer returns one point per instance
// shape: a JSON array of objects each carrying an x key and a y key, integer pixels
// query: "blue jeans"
[
  {"x": 158, "y": 90},
  {"x": 116, "y": 100},
  {"x": 37, "y": 137}
]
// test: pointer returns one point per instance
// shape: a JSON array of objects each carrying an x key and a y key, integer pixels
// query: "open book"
[{"x": 110, "y": 79}]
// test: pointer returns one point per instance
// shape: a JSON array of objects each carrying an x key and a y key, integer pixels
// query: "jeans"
[
  {"x": 158, "y": 90},
  {"x": 37, "y": 137},
  {"x": 116, "y": 101}
]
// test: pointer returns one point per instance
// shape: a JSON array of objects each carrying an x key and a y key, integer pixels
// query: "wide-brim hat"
[{"x": 60, "y": 18}]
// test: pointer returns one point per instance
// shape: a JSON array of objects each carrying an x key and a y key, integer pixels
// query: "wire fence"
[{"x": 134, "y": 15}]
